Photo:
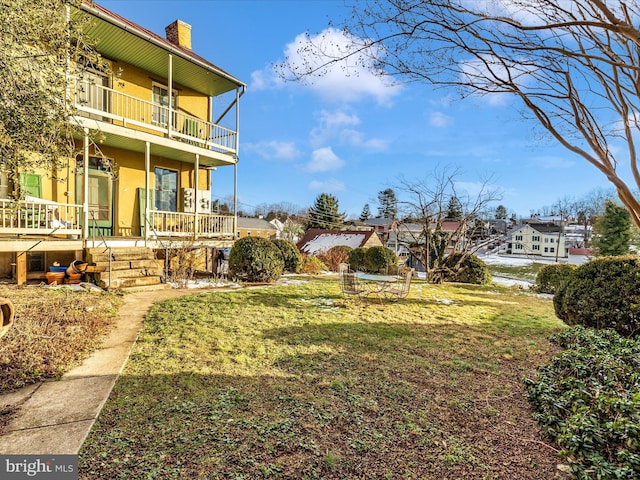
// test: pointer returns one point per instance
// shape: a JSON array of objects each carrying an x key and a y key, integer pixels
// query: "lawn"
[{"x": 294, "y": 381}]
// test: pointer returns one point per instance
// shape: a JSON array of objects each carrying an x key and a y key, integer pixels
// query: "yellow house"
[{"x": 158, "y": 121}]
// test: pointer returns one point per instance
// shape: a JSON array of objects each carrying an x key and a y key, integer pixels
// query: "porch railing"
[
  {"x": 106, "y": 104},
  {"x": 40, "y": 217},
  {"x": 179, "y": 224}
]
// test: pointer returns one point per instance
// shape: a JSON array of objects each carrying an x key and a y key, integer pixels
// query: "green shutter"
[{"x": 31, "y": 184}]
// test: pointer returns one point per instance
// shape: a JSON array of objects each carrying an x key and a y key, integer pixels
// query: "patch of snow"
[{"x": 325, "y": 241}]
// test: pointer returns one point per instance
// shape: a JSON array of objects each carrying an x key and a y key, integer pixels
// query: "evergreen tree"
[
  {"x": 454, "y": 209},
  {"x": 325, "y": 213},
  {"x": 613, "y": 230},
  {"x": 501, "y": 212},
  {"x": 366, "y": 213},
  {"x": 388, "y": 204}
]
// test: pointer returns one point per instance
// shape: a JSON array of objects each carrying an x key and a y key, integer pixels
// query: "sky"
[{"x": 354, "y": 136}]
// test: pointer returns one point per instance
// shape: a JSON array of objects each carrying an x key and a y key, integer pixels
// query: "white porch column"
[
  {"x": 85, "y": 186},
  {"x": 235, "y": 165},
  {"x": 147, "y": 193},
  {"x": 195, "y": 196},
  {"x": 170, "y": 93}
]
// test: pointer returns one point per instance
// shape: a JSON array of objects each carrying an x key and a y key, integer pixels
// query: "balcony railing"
[
  {"x": 179, "y": 224},
  {"x": 39, "y": 217},
  {"x": 102, "y": 103}
]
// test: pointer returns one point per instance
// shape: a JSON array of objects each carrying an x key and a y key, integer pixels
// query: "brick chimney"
[{"x": 179, "y": 33}]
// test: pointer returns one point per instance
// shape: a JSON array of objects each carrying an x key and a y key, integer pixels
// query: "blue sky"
[{"x": 353, "y": 136}]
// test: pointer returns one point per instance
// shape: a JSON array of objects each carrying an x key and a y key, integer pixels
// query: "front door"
[{"x": 100, "y": 195}]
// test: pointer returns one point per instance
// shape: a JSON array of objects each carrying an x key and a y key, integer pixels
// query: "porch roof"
[{"x": 124, "y": 40}]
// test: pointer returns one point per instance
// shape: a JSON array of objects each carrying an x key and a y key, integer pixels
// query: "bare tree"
[
  {"x": 426, "y": 202},
  {"x": 573, "y": 64}
]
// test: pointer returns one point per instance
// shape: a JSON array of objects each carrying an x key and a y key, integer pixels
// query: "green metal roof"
[{"x": 120, "y": 39}]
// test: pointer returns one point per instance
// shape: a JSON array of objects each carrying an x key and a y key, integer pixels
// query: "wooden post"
[{"x": 21, "y": 268}]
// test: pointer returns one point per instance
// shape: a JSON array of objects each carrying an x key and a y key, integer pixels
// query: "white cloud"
[
  {"x": 329, "y": 186},
  {"x": 324, "y": 160},
  {"x": 440, "y": 120},
  {"x": 351, "y": 78},
  {"x": 335, "y": 125},
  {"x": 274, "y": 150}
]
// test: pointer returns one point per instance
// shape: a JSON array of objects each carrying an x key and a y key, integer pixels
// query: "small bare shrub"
[
  {"x": 335, "y": 256},
  {"x": 312, "y": 265}
]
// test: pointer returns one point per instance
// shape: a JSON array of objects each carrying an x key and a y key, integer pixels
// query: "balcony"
[
  {"x": 39, "y": 217},
  {"x": 179, "y": 224},
  {"x": 107, "y": 105}
]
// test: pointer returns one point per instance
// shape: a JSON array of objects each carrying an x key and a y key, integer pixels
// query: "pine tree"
[
  {"x": 454, "y": 209},
  {"x": 325, "y": 213},
  {"x": 501, "y": 212},
  {"x": 388, "y": 204},
  {"x": 613, "y": 230},
  {"x": 366, "y": 213}
]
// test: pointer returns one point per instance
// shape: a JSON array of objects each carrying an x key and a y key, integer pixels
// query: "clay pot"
[{"x": 55, "y": 277}]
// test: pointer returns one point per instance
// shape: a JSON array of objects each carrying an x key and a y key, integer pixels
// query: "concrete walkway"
[{"x": 54, "y": 417}]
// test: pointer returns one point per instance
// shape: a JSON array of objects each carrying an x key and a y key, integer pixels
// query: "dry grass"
[
  {"x": 296, "y": 382},
  {"x": 54, "y": 330}
]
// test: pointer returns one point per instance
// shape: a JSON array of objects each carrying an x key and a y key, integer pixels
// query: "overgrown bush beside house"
[
  {"x": 335, "y": 256},
  {"x": 465, "y": 268},
  {"x": 290, "y": 254},
  {"x": 588, "y": 401},
  {"x": 256, "y": 259},
  {"x": 356, "y": 259},
  {"x": 380, "y": 260},
  {"x": 551, "y": 277},
  {"x": 312, "y": 265},
  {"x": 602, "y": 293}
]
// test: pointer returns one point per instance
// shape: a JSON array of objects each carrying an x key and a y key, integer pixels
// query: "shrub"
[
  {"x": 335, "y": 256},
  {"x": 356, "y": 258},
  {"x": 551, "y": 277},
  {"x": 602, "y": 293},
  {"x": 256, "y": 259},
  {"x": 588, "y": 401},
  {"x": 380, "y": 260},
  {"x": 290, "y": 254},
  {"x": 465, "y": 268},
  {"x": 312, "y": 265}
]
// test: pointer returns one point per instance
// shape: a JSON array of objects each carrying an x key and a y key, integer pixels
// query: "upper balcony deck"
[{"x": 105, "y": 104}]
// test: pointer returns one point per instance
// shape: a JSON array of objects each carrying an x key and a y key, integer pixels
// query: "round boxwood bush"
[
  {"x": 356, "y": 258},
  {"x": 380, "y": 260},
  {"x": 312, "y": 265},
  {"x": 465, "y": 268},
  {"x": 255, "y": 259},
  {"x": 291, "y": 255},
  {"x": 602, "y": 293},
  {"x": 551, "y": 277}
]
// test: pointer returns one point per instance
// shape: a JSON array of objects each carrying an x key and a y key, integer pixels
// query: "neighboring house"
[
  {"x": 147, "y": 182},
  {"x": 288, "y": 230},
  {"x": 412, "y": 234},
  {"x": 576, "y": 236},
  {"x": 541, "y": 239},
  {"x": 256, "y": 227},
  {"x": 382, "y": 226},
  {"x": 317, "y": 241}
]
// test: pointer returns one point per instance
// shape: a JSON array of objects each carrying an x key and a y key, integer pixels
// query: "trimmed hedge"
[
  {"x": 380, "y": 260},
  {"x": 551, "y": 277},
  {"x": 588, "y": 401},
  {"x": 356, "y": 258},
  {"x": 290, "y": 254},
  {"x": 470, "y": 270},
  {"x": 256, "y": 259},
  {"x": 602, "y": 293}
]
